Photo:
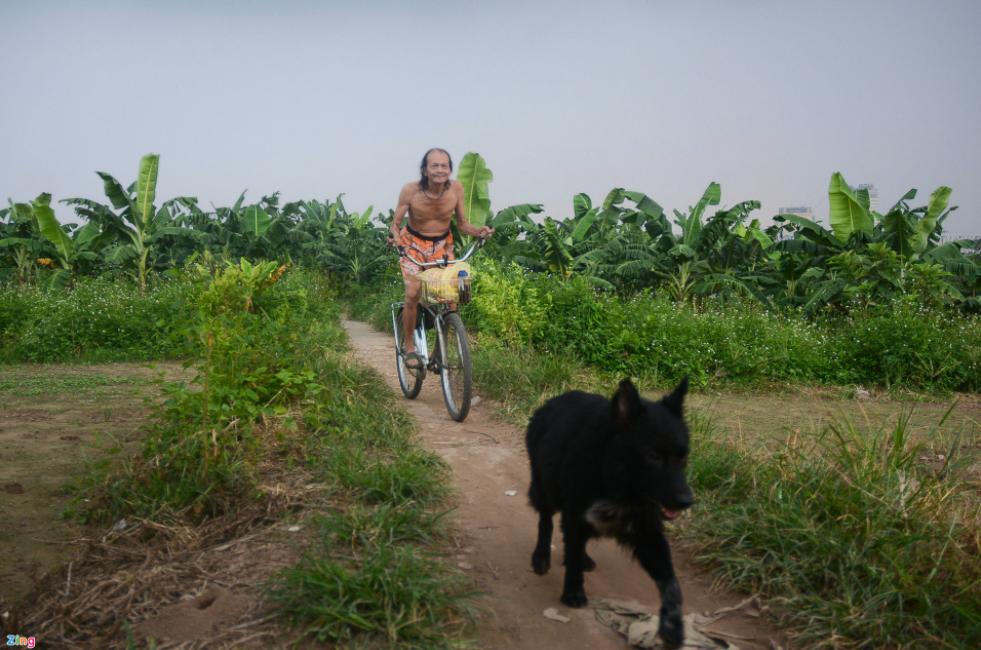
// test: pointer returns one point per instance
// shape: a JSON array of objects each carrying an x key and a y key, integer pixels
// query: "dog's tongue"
[{"x": 670, "y": 514}]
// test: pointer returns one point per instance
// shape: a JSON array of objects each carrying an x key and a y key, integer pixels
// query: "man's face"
[{"x": 438, "y": 167}]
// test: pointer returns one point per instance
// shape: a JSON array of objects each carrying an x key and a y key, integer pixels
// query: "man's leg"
[{"x": 412, "y": 290}]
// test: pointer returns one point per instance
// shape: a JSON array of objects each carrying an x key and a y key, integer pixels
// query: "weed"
[
  {"x": 848, "y": 529},
  {"x": 399, "y": 593}
]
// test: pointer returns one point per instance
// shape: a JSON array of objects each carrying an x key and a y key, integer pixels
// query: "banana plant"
[
  {"x": 22, "y": 237},
  {"x": 68, "y": 251},
  {"x": 137, "y": 220}
]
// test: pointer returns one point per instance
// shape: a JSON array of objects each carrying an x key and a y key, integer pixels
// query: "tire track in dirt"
[{"x": 488, "y": 459}]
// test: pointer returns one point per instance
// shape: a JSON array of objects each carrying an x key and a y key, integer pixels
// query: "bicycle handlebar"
[{"x": 443, "y": 262}]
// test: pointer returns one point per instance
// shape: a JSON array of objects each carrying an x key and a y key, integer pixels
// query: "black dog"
[{"x": 614, "y": 469}]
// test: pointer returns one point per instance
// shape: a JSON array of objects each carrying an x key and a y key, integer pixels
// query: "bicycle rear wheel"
[
  {"x": 411, "y": 382},
  {"x": 456, "y": 373}
]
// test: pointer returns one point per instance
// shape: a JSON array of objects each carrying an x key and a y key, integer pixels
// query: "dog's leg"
[
  {"x": 541, "y": 558},
  {"x": 654, "y": 555},
  {"x": 575, "y": 534},
  {"x": 587, "y": 562}
]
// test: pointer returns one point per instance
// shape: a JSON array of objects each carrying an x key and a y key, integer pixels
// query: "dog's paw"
[
  {"x": 540, "y": 564},
  {"x": 672, "y": 631},
  {"x": 574, "y": 598},
  {"x": 588, "y": 564}
]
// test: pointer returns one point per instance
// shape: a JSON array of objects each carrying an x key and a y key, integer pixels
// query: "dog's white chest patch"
[{"x": 609, "y": 519}]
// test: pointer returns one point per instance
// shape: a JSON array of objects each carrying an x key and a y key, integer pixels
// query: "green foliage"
[
  {"x": 200, "y": 449},
  {"x": 864, "y": 543},
  {"x": 394, "y": 592},
  {"x": 474, "y": 176},
  {"x": 510, "y": 306},
  {"x": 849, "y": 211},
  {"x": 100, "y": 320}
]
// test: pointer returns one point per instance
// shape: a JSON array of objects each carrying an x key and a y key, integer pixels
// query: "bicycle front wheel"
[
  {"x": 455, "y": 372},
  {"x": 411, "y": 382}
]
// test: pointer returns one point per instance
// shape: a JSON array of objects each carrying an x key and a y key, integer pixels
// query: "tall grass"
[{"x": 865, "y": 543}]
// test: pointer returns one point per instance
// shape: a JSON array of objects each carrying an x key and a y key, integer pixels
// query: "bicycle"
[{"x": 440, "y": 325}]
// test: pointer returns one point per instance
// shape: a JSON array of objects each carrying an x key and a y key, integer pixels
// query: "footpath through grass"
[
  {"x": 864, "y": 535},
  {"x": 273, "y": 389}
]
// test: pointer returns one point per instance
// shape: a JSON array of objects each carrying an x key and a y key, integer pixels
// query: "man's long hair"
[{"x": 423, "y": 179}]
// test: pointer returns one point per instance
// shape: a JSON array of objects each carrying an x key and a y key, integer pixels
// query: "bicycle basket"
[{"x": 451, "y": 284}]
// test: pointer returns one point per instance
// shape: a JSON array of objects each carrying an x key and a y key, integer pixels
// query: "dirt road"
[{"x": 488, "y": 462}]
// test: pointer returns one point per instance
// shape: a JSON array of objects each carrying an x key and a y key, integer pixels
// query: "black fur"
[{"x": 613, "y": 468}]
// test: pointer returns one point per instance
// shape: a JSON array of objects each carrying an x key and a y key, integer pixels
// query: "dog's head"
[{"x": 652, "y": 449}]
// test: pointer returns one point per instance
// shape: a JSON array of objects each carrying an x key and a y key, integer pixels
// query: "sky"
[{"x": 317, "y": 98}]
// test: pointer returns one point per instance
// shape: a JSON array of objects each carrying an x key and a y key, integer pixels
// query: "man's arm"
[
  {"x": 400, "y": 212},
  {"x": 464, "y": 226}
]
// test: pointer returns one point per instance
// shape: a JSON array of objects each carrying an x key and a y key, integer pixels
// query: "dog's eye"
[{"x": 651, "y": 456}]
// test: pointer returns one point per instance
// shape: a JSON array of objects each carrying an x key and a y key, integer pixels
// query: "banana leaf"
[
  {"x": 86, "y": 235},
  {"x": 583, "y": 225},
  {"x": 648, "y": 206},
  {"x": 926, "y": 226},
  {"x": 51, "y": 229},
  {"x": 31, "y": 245},
  {"x": 146, "y": 189},
  {"x": 59, "y": 279},
  {"x": 475, "y": 176},
  {"x": 519, "y": 213},
  {"x": 115, "y": 192},
  {"x": 899, "y": 232},
  {"x": 847, "y": 212},
  {"x": 256, "y": 221},
  {"x": 811, "y": 231},
  {"x": 693, "y": 224},
  {"x": 581, "y": 204}
]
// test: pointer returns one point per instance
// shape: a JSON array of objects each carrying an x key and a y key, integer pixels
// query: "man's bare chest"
[{"x": 424, "y": 208}]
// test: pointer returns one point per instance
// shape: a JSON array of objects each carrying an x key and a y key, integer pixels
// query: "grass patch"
[
  {"x": 36, "y": 386},
  {"x": 865, "y": 540},
  {"x": 396, "y": 593}
]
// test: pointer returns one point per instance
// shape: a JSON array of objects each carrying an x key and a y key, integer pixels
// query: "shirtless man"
[{"x": 430, "y": 203}]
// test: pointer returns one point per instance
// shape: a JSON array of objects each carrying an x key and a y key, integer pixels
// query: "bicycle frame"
[{"x": 437, "y": 313}]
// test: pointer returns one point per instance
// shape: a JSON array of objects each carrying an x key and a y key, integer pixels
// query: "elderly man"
[{"x": 430, "y": 204}]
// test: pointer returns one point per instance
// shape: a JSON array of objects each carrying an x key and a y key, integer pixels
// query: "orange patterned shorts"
[{"x": 423, "y": 249}]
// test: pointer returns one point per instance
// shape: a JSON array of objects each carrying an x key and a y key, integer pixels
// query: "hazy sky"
[{"x": 766, "y": 97}]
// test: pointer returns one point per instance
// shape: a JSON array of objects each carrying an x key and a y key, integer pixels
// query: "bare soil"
[
  {"x": 53, "y": 420},
  {"x": 489, "y": 464}
]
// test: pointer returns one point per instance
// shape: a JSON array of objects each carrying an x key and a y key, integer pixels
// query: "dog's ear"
[
  {"x": 626, "y": 403},
  {"x": 676, "y": 400}
]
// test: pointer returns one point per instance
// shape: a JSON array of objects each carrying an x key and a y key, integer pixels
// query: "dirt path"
[{"x": 488, "y": 460}]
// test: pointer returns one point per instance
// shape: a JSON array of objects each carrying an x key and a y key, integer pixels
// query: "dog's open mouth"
[{"x": 667, "y": 513}]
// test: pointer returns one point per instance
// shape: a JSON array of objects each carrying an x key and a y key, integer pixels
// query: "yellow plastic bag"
[{"x": 443, "y": 285}]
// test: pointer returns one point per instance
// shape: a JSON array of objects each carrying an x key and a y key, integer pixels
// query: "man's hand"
[
  {"x": 484, "y": 232},
  {"x": 392, "y": 239}
]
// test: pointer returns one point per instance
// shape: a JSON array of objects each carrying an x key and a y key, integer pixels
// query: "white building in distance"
[{"x": 799, "y": 211}]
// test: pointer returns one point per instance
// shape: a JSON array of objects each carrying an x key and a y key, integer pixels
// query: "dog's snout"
[{"x": 685, "y": 499}]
